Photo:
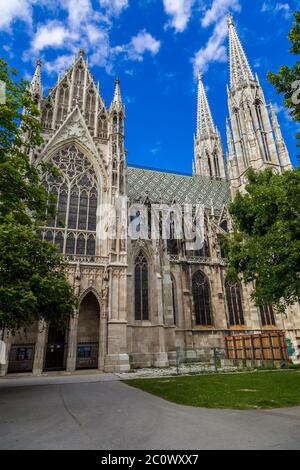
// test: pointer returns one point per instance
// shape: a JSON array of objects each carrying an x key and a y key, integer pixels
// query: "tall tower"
[
  {"x": 208, "y": 150},
  {"x": 116, "y": 141},
  {"x": 252, "y": 141},
  {"x": 36, "y": 88},
  {"x": 117, "y": 172}
]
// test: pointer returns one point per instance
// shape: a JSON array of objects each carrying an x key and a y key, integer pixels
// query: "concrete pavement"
[{"x": 100, "y": 412}]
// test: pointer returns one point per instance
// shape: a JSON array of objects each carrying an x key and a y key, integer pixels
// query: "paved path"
[{"x": 99, "y": 412}]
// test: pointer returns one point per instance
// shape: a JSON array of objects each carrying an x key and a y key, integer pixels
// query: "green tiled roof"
[{"x": 160, "y": 186}]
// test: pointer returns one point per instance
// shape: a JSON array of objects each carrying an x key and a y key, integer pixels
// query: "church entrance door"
[
  {"x": 88, "y": 333},
  {"x": 55, "y": 353}
]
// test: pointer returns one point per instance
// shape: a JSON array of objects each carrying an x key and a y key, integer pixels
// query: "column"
[
  {"x": 117, "y": 359},
  {"x": 103, "y": 335},
  {"x": 72, "y": 342},
  {"x": 40, "y": 345},
  {"x": 7, "y": 338}
]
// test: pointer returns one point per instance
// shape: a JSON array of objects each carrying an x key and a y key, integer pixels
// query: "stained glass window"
[
  {"x": 267, "y": 315},
  {"x": 141, "y": 288},
  {"x": 76, "y": 189},
  {"x": 234, "y": 303},
  {"x": 174, "y": 302},
  {"x": 201, "y": 296}
]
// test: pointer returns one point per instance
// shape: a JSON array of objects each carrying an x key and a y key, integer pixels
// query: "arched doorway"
[
  {"x": 88, "y": 333},
  {"x": 56, "y": 349}
]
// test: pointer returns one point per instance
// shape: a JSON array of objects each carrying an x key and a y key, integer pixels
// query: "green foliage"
[
  {"x": 285, "y": 81},
  {"x": 22, "y": 193},
  {"x": 264, "y": 248},
  {"x": 32, "y": 280}
]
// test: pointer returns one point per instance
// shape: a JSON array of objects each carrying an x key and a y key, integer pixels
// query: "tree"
[
  {"x": 264, "y": 248},
  {"x": 287, "y": 80},
  {"x": 32, "y": 281},
  {"x": 33, "y": 285},
  {"x": 22, "y": 193}
]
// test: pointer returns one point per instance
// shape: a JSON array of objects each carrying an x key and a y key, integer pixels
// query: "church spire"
[
  {"x": 279, "y": 140},
  {"x": 205, "y": 123},
  {"x": 116, "y": 104},
  {"x": 36, "y": 88},
  {"x": 208, "y": 150},
  {"x": 239, "y": 66},
  {"x": 251, "y": 136}
]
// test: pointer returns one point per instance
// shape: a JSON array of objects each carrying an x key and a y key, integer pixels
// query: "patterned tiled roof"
[{"x": 160, "y": 186}]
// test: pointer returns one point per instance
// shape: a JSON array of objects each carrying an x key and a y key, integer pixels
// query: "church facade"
[{"x": 141, "y": 298}]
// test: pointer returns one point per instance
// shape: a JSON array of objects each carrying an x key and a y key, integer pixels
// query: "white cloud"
[
  {"x": 114, "y": 7},
  {"x": 52, "y": 34},
  {"x": 61, "y": 63},
  {"x": 11, "y": 10},
  {"x": 278, "y": 108},
  {"x": 79, "y": 11},
  {"x": 139, "y": 44},
  {"x": 69, "y": 25},
  {"x": 180, "y": 12},
  {"x": 215, "y": 49},
  {"x": 218, "y": 10},
  {"x": 279, "y": 7}
]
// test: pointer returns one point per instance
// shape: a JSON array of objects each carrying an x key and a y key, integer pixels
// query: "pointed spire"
[
  {"x": 205, "y": 124},
  {"x": 229, "y": 140},
  {"x": 239, "y": 66},
  {"x": 279, "y": 140},
  {"x": 275, "y": 123},
  {"x": 116, "y": 103},
  {"x": 36, "y": 83}
]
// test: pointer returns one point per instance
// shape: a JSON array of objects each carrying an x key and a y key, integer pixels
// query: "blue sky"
[{"x": 154, "y": 46}]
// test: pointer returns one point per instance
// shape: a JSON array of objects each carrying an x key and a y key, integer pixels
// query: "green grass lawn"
[{"x": 237, "y": 391}]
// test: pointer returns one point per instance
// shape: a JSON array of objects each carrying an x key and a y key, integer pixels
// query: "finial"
[
  {"x": 230, "y": 21},
  {"x": 39, "y": 63},
  {"x": 200, "y": 76},
  {"x": 81, "y": 53},
  {"x": 117, "y": 81}
]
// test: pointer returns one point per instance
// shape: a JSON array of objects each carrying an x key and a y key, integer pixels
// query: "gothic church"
[{"x": 139, "y": 300}]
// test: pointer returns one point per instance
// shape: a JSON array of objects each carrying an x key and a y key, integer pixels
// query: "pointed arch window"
[
  {"x": 76, "y": 191},
  {"x": 260, "y": 120},
  {"x": 174, "y": 301},
  {"x": 209, "y": 165},
  {"x": 234, "y": 303},
  {"x": 217, "y": 166},
  {"x": 141, "y": 287},
  {"x": 267, "y": 315},
  {"x": 201, "y": 296},
  {"x": 70, "y": 246}
]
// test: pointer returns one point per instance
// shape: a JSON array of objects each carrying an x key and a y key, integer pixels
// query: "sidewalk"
[{"x": 54, "y": 378}]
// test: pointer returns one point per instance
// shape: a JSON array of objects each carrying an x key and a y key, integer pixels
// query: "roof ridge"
[{"x": 172, "y": 172}]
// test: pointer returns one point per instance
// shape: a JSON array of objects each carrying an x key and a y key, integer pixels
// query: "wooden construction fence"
[{"x": 268, "y": 346}]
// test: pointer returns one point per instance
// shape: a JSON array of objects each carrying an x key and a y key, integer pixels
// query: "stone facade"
[{"x": 141, "y": 299}]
